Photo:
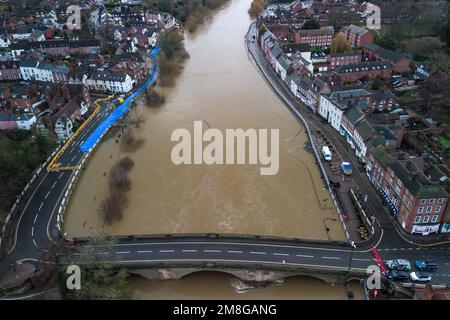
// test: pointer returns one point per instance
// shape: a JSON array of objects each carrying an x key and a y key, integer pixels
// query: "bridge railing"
[{"x": 215, "y": 236}]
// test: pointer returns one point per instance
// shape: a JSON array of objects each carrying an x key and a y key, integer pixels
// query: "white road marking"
[
  {"x": 32, "y": 232},
  {"x": 122, "y": 252},
  {"x": 357, "y": 259},
  {"x": 47, "y": 195},
  {"x": 54, "y": 184},
  {"x": 257, "y": 252},
  {"x": 40, "y": 206},
  {"x": 333, "y": 258},
  {"x": 35, "y": 243},
  {"x": 303, "y": 256},
  {"x": 60, "y": 175},
  {"x": 281, "y": 254},
  {"x": 212, "y": 251},
  {"x": 103, "y": 253},
  {"x": 166, "y": 250},
  {"x": 144, "y": 251},
  {"x": 234, "y": 251},
  {"x": 35, "y": 218},
  {"x": 189, "y": 250}
]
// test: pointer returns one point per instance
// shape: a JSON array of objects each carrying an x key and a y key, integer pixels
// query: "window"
[
  {"x": 423, "y": 201},
  {"x": 394, "y": 201},
  {"x": 409, "y": 204},
  {"x": 399, "y": 183},
  {"x": 417, "y": 220},
  {"x": 441, "y": 200},
  {"x": 431, "y": 201},
  {"x": 429, "y": 209},
  {"x": 426, "y": 219},
  {"x": 397, "y": 190},
  {"x": 437, "y": 209},
  {"x": 434, "y": 218},
  {"x": 420, "y": 210}
]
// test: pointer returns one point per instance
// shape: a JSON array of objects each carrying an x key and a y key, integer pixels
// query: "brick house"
[
  {"x": 373, "y": 52},
  {"x": 57, "y": 47},
  {"x": 415, "y": 202},
  {"x": 315, "y": 37},
  {"x": 374, "y": 69},
  {"x": 9, "y": 70},
  {"x": 343, "y": 59},
  {"x": 383, "y": 100},
  {"x": 357, "y": 36}
]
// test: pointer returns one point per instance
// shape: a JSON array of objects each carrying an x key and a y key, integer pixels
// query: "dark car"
[
  {"x": 398, "y": 275},
  {"x": 334, "y": 184},
  {"x": 399, "y": 264}
]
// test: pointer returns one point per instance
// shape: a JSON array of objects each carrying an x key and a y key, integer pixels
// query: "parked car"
[
  {"x": 346, "y": 168},
  {"x": 326, "y": 153},
  {"x": 399, "y": 264},
  {"x": 335, "y": 184},
  {"x": 397, "y": 275},
  {"x": 426, "y": 265},
  {"x": 420, "y": 277}
]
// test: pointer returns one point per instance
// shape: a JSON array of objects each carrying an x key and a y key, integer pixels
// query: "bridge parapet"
[
  {"x": 247, "y": 272},
  {"x": 220, "y": 237}
]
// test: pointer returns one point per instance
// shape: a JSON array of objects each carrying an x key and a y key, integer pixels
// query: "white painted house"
[
  {"x": 42, "y": 71},
  {"x": 109, "y": 81}
]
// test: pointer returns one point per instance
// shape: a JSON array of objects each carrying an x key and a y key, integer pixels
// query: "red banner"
[{"x": 380, "y": 262}]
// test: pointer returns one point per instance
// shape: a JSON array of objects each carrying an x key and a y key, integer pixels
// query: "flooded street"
[{"x": 221, "y": 86}]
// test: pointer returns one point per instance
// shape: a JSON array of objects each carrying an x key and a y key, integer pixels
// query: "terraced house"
[{"x": 417, "y": 203}]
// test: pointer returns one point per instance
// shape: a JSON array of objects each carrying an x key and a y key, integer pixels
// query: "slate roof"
[
  {"x": 108, "y": 76},
  {"x": 364, "y": 129},
  {"x": 364, "y": 66},
  {"x": 354, "y": 114}
]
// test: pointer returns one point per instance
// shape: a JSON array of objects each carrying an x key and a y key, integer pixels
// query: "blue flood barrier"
[{"x": 95, "y": 136}]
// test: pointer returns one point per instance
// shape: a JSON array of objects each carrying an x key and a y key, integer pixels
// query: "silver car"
[{"x": 420, "y": 277}]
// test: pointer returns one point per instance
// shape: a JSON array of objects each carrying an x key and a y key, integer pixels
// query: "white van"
[{"x": 326, "y": 153}]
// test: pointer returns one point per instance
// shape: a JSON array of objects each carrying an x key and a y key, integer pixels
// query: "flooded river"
[
  {"x": 221, "y": 86},
  {"x": 198, "y": 286}
]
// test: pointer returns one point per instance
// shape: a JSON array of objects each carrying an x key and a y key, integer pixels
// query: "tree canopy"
[{"x": 340, "y": 44}]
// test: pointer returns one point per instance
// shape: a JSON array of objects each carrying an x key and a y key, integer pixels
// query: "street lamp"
[{"x": 352, "y": 243}]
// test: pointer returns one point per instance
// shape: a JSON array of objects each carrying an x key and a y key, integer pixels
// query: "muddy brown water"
[{"x": 221, "y": 86}]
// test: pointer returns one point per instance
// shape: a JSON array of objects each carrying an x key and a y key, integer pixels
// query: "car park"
[
  {"x": 397, "y": 275},
  {"x": 426, "y": 265},
  {"x": 399, "y": 264},
  {"x": 420, "y": 277}
]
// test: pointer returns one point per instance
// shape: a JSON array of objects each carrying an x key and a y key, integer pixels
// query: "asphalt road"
[{"x": 37, "y": 223}]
